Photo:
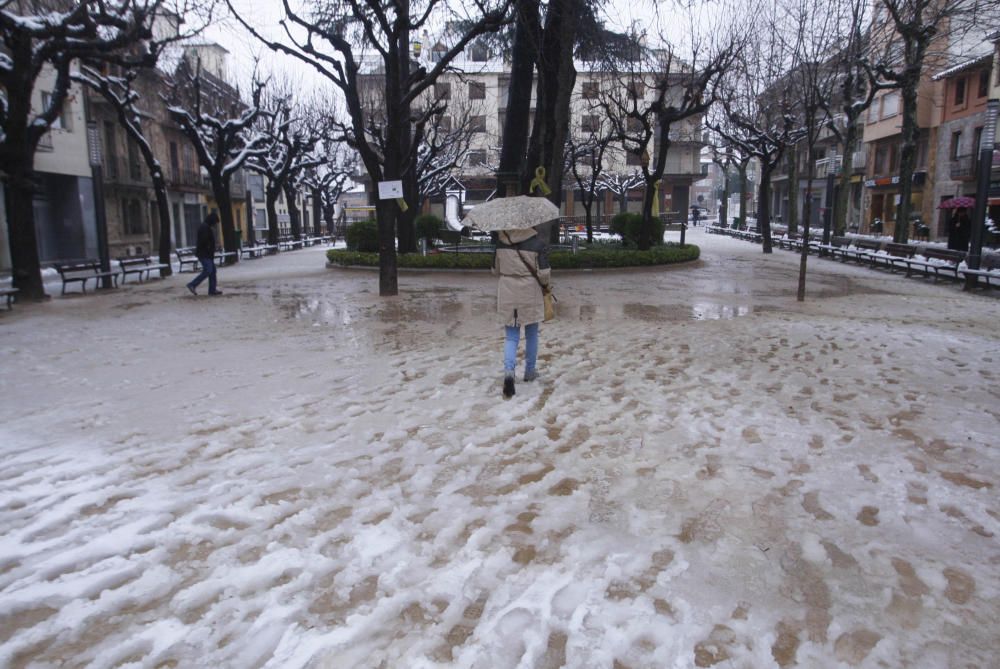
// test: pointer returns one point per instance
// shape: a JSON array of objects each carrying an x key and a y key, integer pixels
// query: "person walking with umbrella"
[
  {"x": 521, "y": 263},
  {"x": 959, "y": 230}
]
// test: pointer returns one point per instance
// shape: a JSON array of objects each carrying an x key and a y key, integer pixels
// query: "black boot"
[{"x": 508, "y": 386}]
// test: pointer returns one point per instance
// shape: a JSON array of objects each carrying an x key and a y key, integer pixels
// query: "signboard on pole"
[{"x": 390, "y": 190}]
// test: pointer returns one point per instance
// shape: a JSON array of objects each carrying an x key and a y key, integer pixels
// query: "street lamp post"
[
  {"x": 982, "y": 191},
  {"x": 97, "y": 170}
]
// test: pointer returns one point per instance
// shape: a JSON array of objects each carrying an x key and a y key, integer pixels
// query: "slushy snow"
[{"x": 302, "y": 474}]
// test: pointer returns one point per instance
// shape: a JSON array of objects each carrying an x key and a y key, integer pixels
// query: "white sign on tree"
[{"x": 390, "y": 190}]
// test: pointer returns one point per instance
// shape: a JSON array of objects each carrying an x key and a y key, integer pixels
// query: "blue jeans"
[
  {"x": 207, "y": 270},
  {"x": 530, "y": 348}
]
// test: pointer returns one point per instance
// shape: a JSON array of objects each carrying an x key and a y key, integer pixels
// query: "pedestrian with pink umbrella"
[{"x": 960, "y": 225}]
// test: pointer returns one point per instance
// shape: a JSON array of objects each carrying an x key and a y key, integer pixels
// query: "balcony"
[
  {"x": 120, "y": 170},
  {"x": 827, "y": 166},
  {"x": 186, "y": 177},
  {"x": 962, "y": 168}
]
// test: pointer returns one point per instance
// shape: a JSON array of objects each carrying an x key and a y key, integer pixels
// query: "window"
[
  {"x": 591, "y": 89},
  {"x": 636, "y": 90},
  {"x": 134, "y": 168},
  {"x": 442, "y": 91},
  {"x": 956, "y": 145},
  {"x": 984, "y": 84},
  {"x": 110, "y": 149},
  {"x": 477, "y": 158},
  {"x": 503, "y": 91},
  {"x": 438, "y": 52},
  {"x": 65, "y": 120},
  {"x": 881, "y": 159},
  {"x": 590, "y": 123},
  {"x": 635, "y": 158},
  {"x": 175, "y": 162},
  {"x": 977, "y": 139},
  {"x": 477, "y": 90},
  {"x": 479, "y": 52},
  {"x": 445, "y": 123},
  {"x": 634, "y": 125},
  {"x": 477, "y": 124},
  {"x": 890, "y": 105},
  {"x": 960, "y": 92},
  {"x": 133, "y": 218},
  {"x": 873, "y": 111}
]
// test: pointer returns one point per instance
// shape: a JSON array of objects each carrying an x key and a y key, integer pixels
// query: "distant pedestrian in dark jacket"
[
  {"x": 205, "y": 250},
  {"x": 959, "y": 230}
]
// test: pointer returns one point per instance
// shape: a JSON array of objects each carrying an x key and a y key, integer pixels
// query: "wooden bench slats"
[
  {"x": 139, "y": 265},
  {"x": 82, "y": 271},
  {"x": 9, "y": 294}
]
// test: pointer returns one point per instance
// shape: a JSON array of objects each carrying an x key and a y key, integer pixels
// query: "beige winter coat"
[{"x": 519, "y": 297}]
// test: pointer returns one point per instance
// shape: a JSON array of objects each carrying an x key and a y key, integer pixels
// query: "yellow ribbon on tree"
[
  {"x": 656, "y": 199},
  {"x": 402, "y": 204},
  {"x": 539, "y": 182}
]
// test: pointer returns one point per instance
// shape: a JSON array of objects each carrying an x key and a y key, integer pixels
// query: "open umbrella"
[
  {"x": 960, "y": 202},
  {"x": 511, "y": 213}
]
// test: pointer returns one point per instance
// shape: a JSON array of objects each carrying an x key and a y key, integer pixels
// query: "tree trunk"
[
  {"x": 907, "y": 161},
  {"x": 846, "y": 167},
  {"x": 317, "y": 211},
  {"x": 271, "y": 204},
  {"x": 220, "y": 189},
  {"x": 645, "y": 238},
  {"x": 512, "y": 174},
  {"x": 793, "y": 190},
  {"x": 294, "y": 216},
  {"x": 163, "y": 209},
  {"x": 26, "y": 269},
  {"x": 388, "y": 283},
  {"x": 764, "y": 206},
  {"x": 806, "y": 221},
  {"x": 724, "y": 205},
  {"x": 743, "y": 194}
]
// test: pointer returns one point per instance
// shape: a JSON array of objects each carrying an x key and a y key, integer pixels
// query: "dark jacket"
[{"x": 206, "y": 241}]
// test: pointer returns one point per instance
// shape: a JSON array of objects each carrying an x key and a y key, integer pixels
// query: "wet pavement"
[{"x": 300, "y": 473}]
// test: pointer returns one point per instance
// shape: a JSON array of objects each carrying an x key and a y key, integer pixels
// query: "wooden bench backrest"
[
  {"x": 904, "y": 250},
  {"x": 78, "y": 266},
  {"x": 945, "y": 254},
  {"x": 869, "y": 244},
  {"x": 840, "y": 241},
  {"x": 134, "y": 260}
]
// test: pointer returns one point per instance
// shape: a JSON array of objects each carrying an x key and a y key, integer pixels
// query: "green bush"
[
  {"x": 429, "y": 227},
  {"x": 362, "y": 236},
  {"x": 585, "y": 259},
  {"x": 627, "y": 226}
]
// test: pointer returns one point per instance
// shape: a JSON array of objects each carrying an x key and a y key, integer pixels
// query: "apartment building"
[{"x": 476, "y": 91}]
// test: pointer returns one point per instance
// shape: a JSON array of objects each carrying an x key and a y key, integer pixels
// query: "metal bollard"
[
  {"x": 575, "y": 240},
  {"x": 423, "y": 246}
]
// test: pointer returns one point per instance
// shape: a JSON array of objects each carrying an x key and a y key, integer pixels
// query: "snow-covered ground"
[{"x": 301, "y": 474}]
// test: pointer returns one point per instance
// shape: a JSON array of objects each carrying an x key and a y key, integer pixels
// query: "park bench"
[
  {"x": 257, "y": 251},
  {"x": 836, "y": 248},
  {"x": 862, "y": 250},
  {"x": 81, "y": 271},
  {"x": 938, "y": 261},
  {"x": 985, "y": 274},
  {"x": 139, "y": 265},
  {"x": 893, "y": 256},
  {"x": 9, "y": 294},
  {"x": 186, "y": 256},
  {"x": 289, "y": 243}
]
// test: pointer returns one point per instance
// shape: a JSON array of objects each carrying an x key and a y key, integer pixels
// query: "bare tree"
[
  {"x": 912, "y": 34},
  {"x": 291, "y": 137},
  {"x": 132, "y": 94},
  {"x": 47, "y": 37},
  {"x": 660, "y": 93},
  {"x": 585, "y": 154},
  {"x": 757, "y": 116},
  {"x": 334, "y": 36},
  {"x": 621, "y": 183},
  {"x": 220, "y": 127}
]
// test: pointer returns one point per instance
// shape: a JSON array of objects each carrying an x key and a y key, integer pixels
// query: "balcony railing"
[
  {"x": 962, "y": 167},
  {"x": 185, "y": 177},
  {"x": 120, "y": 170}
]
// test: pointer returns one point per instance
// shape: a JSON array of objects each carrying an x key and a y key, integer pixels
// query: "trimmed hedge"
[
  {"x": 362, "y": 236},
  {"x": 585, "y": 259},
  {"x": 627, "y": 225}
]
